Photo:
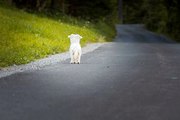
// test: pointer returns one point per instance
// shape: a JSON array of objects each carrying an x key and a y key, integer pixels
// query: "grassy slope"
[{"x": 26, "y": 37}]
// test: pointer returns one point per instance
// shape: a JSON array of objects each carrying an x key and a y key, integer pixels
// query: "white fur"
[{"x": 75, "y": 48}]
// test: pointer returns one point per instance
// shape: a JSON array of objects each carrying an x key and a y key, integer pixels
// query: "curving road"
[{"x": 136, "y": 77}]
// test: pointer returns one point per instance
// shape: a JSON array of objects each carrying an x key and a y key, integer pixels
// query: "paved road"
[{"x": 137, "y": 77}]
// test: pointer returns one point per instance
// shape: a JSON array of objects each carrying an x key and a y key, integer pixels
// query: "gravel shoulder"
[{"x": 50, "y": 60}]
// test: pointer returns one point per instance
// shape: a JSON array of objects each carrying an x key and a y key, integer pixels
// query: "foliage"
[
  {"x": 161, "y": 16},
  {"x": 87, "y": 9},
  {"x": 92, "y": 8}
]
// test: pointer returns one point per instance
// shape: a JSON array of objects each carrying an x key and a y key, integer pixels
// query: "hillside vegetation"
[{"x": 26, "y": 37}]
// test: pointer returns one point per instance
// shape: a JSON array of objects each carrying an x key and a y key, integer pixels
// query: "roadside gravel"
[{"x": 50, "y": 60}]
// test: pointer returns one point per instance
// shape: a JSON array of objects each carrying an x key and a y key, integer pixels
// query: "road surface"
[{"x": 137, "y": 77}]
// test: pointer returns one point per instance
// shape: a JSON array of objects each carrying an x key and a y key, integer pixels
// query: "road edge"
[{"x": 50, "y": 60}]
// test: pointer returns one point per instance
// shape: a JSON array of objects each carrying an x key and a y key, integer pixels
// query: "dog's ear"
[
  {"x": 69, "y": 36},
  {"x": 80, "y": 36}
]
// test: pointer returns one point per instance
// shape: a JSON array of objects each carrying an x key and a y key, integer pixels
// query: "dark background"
[{"x": 161, "y": 16}]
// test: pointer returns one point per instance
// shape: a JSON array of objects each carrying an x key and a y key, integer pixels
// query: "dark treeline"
[
  {"x": 162, "y": 16},
  {"x": 87, "y": 9}
]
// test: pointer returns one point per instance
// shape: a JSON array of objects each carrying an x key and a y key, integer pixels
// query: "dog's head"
[{"x": 75, "y": 38}]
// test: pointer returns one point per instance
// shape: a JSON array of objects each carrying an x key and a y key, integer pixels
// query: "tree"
[
  {"x": 92, "y": 9},
  {"x": 158, "y": 15},
  {"x": 120, "y": 11},
  {"x": 10, "y": 2},
  {"x": 57, "y": 5}
]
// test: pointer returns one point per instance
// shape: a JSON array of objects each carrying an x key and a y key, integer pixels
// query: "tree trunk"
[
  {"x": 120, "y": 10},
  {"x": 9, "y": 2},
  {"x": 58, "y": 5},
  {"x": 40, "y": 5}
]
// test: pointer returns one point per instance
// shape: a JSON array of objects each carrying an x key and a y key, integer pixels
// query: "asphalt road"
[{"x": 137, "y": 77}]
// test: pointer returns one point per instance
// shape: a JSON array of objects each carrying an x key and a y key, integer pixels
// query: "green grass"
[{"x": 26, "y": 37}]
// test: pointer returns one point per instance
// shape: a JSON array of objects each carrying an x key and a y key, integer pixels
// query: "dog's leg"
[
  {"x": 79, "y": 58},
  {"x": 75, "y": 57},
  {"x": 71, "y": 55}
]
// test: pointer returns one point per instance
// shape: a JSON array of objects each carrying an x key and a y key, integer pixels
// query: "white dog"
[{"x": 75, "y": 48}]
